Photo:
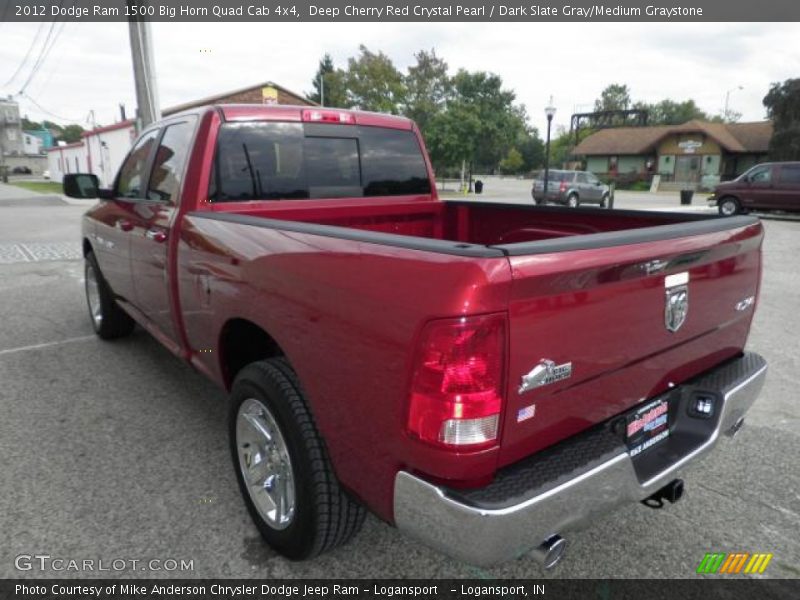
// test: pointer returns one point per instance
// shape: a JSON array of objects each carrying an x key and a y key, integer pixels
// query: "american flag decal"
[{"x": 523, "y": 414}]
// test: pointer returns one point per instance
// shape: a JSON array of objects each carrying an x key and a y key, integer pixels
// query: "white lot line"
[
  {"x": 39, "y": 251},
  {"x": 47, "y": 344}
]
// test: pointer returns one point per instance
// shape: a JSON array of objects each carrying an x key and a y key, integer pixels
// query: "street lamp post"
[
  {"x": 550, "y": 111},
  {"x": 727, "y": 98}
]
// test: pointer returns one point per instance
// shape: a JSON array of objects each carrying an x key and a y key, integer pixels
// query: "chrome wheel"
[
  {"x": 728, "y": 208},
  {"x": 572, "y": 201},
  {"x": 93, "y": 295},
  {"x": 265, "y": 464}
]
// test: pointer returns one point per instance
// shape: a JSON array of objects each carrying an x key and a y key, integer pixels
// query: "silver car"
[{"x": 571, "y": 188}]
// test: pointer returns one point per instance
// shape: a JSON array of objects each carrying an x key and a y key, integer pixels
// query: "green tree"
[
  {"x": 615, "y": 97},
  {"x": 479, "y": 126},
  {"x": 71, "y": 134},
  {"x": 30, "y": 125},
  {"x": 451, "y": 136},
  {"x": 783, "y": 108},
  {"x": 531, "y": 147},
  {"x": 500, "y": 121},
  {"x": 670, "y": 112},
  {"x": 428, "y": 88},
  {"x": 560, "y": 148},
  {"x": 512, "y": 163},
  {"x": 331, "y": 82},
  {"x": 374, "y": 83}
]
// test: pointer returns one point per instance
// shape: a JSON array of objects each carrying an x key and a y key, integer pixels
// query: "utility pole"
[
  {"x": 144, "y": 72},
  {"x": 3, "y": 126},
  {"x": 3, "y": 174},
  {"x": 322, "y": 89}
]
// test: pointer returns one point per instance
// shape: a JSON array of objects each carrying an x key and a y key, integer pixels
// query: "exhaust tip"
[
  {"x": 551, "y": 551},
  {"x": 735, "y": 428},
  {"x": 672, "y": 492}
]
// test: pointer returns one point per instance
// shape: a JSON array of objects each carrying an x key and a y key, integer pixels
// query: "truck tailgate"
[{"x": 603, "y": 312}]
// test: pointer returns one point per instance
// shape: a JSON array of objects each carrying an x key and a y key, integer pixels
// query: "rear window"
[
  {"x": 559, "y": 176},
  {"x": 284, "y": 161}
]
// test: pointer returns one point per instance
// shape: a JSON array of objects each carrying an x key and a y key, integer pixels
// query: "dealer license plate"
[{"x": 647, "y": 426}]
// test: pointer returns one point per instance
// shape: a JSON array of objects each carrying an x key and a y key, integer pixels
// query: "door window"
[
  {"x": 130, "y": 181},
  {"x": 581, "y": 178},
  {"x": 761, "y": 175},
  {"x": 169, "y": 162}
]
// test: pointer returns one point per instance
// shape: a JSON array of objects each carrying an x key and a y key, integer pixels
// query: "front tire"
[
  {"x": 572, "y": 201},
  {"x": 604, "y": 201},
  {"x": 109, "y": 321},
  {"x": 729, "y": 206},
  {"x": 282, "y": 466}
]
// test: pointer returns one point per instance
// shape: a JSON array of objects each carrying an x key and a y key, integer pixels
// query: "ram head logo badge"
[
  {"x": 546, "y": 372},
  {"x": 677, "y": 301}
]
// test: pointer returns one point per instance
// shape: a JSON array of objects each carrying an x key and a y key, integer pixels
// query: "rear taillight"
[
  {"x": 456, "y": 388},
  {"x": 328, "y": 116},
  {"x": 563, "y": 187}
]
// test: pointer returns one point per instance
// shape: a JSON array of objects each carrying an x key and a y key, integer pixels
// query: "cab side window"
[
  {"x": 130, "y": 182},
  {"x": 790, "y": 174},
  {"x": 169, "y": 162}
]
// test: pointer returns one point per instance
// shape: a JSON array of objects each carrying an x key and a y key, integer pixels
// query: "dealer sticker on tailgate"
[{"x": 647, "y": 426}]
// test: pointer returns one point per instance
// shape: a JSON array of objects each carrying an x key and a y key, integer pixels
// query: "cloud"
[{"x": 90, "y": 67}]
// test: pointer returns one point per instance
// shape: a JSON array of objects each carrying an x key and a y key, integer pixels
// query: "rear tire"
[
  {"x": 729, "y": 206},
  {"x": 322, "y": 516},
  {"x": 573, "y": 201},
  {"x": 109, "y": 321}
]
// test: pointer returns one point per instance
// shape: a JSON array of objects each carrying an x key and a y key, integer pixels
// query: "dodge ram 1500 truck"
[{"x": 484, "y": 376}]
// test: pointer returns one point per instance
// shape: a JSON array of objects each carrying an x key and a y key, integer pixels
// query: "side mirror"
[{"x": 81, "y": 185}]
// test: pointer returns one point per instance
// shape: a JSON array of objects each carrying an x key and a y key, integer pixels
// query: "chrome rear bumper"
[{"x": 484, "y": 529}]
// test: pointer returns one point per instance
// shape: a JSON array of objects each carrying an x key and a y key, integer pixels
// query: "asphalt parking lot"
[{"x": 118, "y": 450}]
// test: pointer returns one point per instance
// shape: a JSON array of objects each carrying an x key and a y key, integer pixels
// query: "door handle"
[
  {"x": 157, "y": 235},
  {"x": 124, "y": 224}
]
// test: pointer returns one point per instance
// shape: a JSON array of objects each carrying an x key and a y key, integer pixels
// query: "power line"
[
  {"x": 27, "y": 55},
  {"x": 43, "y": 54},
  {"x": 47, "y": 112},
  {"x": 43, "y": 84}
]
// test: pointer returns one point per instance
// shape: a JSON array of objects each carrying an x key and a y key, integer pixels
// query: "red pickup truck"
[{"x": 484, "y": 376}]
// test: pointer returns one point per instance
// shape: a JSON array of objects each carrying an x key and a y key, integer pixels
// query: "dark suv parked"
[
  {"x": 572, "y": 188},
  {"x": 768, "y": 186}
]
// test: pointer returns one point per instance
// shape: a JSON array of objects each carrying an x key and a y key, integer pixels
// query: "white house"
[
  {"x": 67, "y": 158},
  {"x": 106, "y": 148},
  {"x": 101, "y": 151},
  {"x": 31, "y": 144}
]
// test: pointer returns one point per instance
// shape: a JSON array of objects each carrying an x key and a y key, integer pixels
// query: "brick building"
[{"x": 263, "y": 93}]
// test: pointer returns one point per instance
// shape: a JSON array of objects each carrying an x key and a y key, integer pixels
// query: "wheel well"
[
  {"x": 726, "y": 197},
  {"x": 241, "y": 343},
  {"x": 87, "y": 247}
]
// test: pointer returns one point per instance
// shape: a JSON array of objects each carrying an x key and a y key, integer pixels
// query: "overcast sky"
[{"x": 90, "y": 66}]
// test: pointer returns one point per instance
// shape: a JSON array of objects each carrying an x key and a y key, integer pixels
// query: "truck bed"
[{"x": 469, "y": 227}]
